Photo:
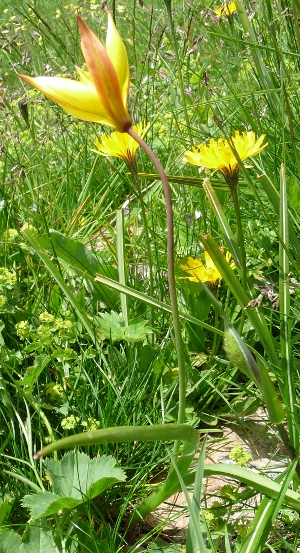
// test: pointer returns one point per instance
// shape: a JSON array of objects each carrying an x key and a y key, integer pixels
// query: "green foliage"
[
  {"x": 112, "y": 326},
  {"x": 71, "y": 360},
  {"x": 74, "y": 479}
]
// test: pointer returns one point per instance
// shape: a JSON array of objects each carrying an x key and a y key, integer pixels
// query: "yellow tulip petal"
[
  {"x": 102, "y": 92},
  {"x": 118, "y": 56},
  {"x": 75, "y": 97},
  {"x": 104, "y": 77}
]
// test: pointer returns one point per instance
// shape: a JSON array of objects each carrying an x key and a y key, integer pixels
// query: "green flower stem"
[
  {"x": 171, "y": 276},
  {"x": 134, "y": 173},
  {"x": 241, "y": 243}
]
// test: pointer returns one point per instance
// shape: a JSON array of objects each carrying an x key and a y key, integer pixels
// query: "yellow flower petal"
[
  {"x": 75, "y": 97},
  {"x": 101, "y": 94},
  {"x": 121, "y": 145},
  {"x": 198, "y": 272},
  {"x": 228, "y": 9},
  {"x": 220, "y": 154},
  {"x": 204, "y": 272},
  {"x": 118, "y": 56}
]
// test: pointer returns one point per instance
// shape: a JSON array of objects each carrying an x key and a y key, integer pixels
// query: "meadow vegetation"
[{"x": 86, "y": 328}]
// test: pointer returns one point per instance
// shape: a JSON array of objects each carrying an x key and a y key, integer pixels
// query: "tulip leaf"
[
  {"x": 74, "y": 479},
  {"x": 85, "y": 262},
  {"x": 34, "y": 241}
]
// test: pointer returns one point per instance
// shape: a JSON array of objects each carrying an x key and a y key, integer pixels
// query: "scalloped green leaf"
[{"x": 74, "y": 479}]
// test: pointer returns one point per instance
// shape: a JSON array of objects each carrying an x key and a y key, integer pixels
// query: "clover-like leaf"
[{"x": 112, "y": 326}]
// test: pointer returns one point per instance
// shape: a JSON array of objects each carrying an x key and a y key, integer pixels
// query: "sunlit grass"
[{"x": 238, "y": 74}]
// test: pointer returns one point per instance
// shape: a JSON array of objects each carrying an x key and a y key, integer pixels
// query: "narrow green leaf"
[
  {"x": 34, "y": 242},
  {"x": 288, "y": 374},
  {"x": 155, "y": 303},
  {"x": 153, "y": 433},
  {"x": 264, "y": 518},
  {"x": 240, "y": 356},
  {"x": 274, "y": 198},
  {"x": 253, "y": 313},
  {"x": 223, "y": 222},
  {"x": 121, "y": 260},
  {"x": 194, "y": 534},
  {"x": 258, "y": 482}
]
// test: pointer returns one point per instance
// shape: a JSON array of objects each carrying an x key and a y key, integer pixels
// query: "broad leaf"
[
  {"x": 38, "y": 539},
  {"x": 32, "y": 373},
  {"x": 78, "y": 256},
  {"x": 113, "y": 327},
  {"x": 9, "y": 541},
  {"x": 75, "y": 479}
]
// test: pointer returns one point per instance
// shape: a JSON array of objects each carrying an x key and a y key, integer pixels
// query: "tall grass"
[{"x": 66, "y": 363}]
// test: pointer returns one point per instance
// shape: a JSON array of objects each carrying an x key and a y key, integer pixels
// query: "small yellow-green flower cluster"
[
  {"x": 28, "y": 226},
  {"x": 9, "y": 235},
  {"x": 7, "y": 278},
  {"x": 46, "y": 317},
  {"x": 23, "y": 329},
  {"x": 54, "y": 391},
  {"x": 3, "y": 301},
  {"x": 63, "y": 327},
  {"x": 228, "y": 492},
  {"x": 68, "y": 423},
  {"x": 71, "y": 422},
  {"x": 91, "y": 424},
  {"x": 240, "y": 456}
]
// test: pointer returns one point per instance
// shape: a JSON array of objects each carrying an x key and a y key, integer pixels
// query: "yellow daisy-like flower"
[
  {"x": 228, "y": 9},
  {"x": 204, "y": 272},
  {"x": 220, "y": 154},
  {"x": 121, "y": 145}
]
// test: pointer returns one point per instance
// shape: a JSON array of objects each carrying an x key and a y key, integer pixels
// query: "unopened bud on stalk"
[{"x": 240, "y": 356}]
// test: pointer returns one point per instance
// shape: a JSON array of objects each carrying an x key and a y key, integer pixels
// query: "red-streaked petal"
[
  {"x": 118, "y": 56},
  {"x": 104, "y": 76}
]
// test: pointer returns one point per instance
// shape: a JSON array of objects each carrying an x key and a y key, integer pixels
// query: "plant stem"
[
  {"x": 240, "y": 233},
  {"x": 171, "y": 277},
  {"x": 288, "y": 447},
  {"x": 137, "y": 183}
]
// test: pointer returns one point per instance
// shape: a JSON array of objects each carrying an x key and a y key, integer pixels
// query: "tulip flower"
[{"x": 101, "y": 93}]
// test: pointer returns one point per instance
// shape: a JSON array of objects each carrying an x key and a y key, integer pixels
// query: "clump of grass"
[{"x": 66, "y": 363}]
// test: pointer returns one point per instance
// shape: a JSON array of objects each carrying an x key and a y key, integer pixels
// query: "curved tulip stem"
[{"x": 171, "y": 274}]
